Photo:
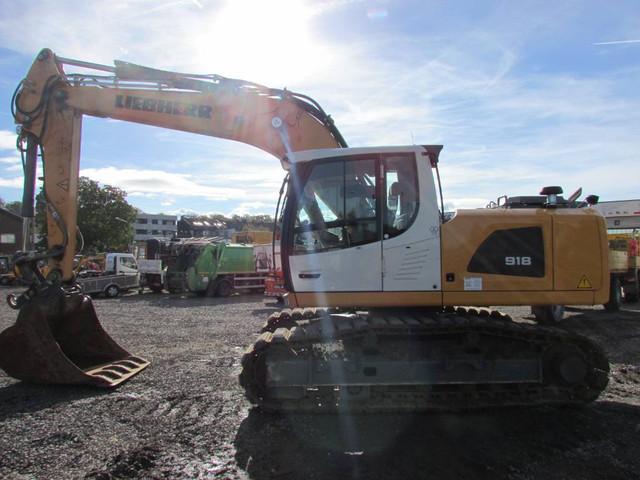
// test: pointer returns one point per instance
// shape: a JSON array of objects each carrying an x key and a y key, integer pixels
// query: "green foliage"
[
  {"x": 98, "y": 211},
  {"x": 250, "y": 222}
]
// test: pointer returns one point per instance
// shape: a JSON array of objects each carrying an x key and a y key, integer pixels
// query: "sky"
[{"x": 521, "y": 94}]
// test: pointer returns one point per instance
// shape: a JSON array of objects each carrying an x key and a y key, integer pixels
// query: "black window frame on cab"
[{"x": 338, "y": 239}]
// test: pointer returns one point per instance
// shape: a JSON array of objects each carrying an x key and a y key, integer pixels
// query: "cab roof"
[{"x": 303, "y": 156}]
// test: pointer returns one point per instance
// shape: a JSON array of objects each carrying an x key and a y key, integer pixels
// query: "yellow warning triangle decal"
[{"x": 584, "y": 282}]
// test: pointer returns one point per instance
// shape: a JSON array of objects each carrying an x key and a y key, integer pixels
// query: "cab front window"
[{"x": 337, "y": 206}]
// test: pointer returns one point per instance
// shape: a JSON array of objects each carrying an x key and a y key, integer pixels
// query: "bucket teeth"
[{"x": 117, "y": 372}]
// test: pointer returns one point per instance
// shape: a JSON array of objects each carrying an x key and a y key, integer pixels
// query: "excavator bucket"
[{"x": 58, "y": 339}]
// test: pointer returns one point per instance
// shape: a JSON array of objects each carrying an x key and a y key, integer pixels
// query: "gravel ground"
[{"x": 186, "y": 417}]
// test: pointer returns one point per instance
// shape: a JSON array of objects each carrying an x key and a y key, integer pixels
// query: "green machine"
[{"x": 217, "y": 267}]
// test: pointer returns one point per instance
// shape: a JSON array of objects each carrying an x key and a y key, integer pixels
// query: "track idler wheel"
[
  {"x": 568, "y": 365},
  {"x": 571, "y": 367}
]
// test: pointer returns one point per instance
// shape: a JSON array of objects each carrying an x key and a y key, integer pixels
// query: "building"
[
  {"x": 160, "y": 226},
  {"x": 10, "y": 232},
  {"x": 620, "y": 214}
]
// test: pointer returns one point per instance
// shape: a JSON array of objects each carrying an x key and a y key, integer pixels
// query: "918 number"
[{"x": 517, "y": 261}]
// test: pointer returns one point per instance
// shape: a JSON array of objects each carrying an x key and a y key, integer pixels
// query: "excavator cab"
[{"x": 58, "y": 339}]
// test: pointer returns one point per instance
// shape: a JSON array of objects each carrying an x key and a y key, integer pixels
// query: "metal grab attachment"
[{"x": 58, "y": 338}]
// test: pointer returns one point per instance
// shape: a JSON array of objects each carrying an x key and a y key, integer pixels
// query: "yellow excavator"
[{"x": 376, "y": 271}]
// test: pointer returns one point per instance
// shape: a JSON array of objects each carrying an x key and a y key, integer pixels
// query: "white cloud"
[
  {"x": 251, "y": 187},
  {"x": 460, "y": 203},
  {"x": 16, "y": 167},
  {"x": 504, "y": 133},
  {"x": 11, "y": 182},
  {"x": 273, "y": 41},
  {"x": 157, "y": 181},
  {"x": 11, "y": 160},
  {"x": 142, "y": 194},
  {"x": 253, "y": 208},
  {"x": 7, "y": 140},
  {"x": 617, "y": 42}
]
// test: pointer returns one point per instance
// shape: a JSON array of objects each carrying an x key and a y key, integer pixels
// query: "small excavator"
[{"x": 377, "y": 274}]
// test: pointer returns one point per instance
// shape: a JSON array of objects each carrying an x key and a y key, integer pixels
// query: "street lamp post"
[{"x": 122, "y": 220}]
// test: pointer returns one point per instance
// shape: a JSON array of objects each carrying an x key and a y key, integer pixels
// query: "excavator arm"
[
  {"x": 49, "y": 105},
  {"x": 57, "y": 337}
]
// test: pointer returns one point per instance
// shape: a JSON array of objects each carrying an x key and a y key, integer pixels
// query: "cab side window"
[
  {"x": 128, "y": 262},
  {"x": 401, "y": 195}
]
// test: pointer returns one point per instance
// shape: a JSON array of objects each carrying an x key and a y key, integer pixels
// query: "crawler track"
[{"x": 316, "y": 361}]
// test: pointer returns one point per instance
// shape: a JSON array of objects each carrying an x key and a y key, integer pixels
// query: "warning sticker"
[{"x": 584, "y": 282}]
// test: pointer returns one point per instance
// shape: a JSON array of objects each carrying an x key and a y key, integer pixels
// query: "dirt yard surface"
[{"x": 186, "y": 417}]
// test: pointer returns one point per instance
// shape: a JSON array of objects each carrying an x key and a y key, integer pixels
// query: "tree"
[
  {"x": 249, "y": 222},
  {"x": 105, "y": 217}
]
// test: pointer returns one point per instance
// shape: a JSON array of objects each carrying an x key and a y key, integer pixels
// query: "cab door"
[
  {"x": 336, "y": 244},
  {"x": 411, "y": 226}
]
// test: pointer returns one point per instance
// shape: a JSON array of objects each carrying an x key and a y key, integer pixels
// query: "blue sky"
[{"x": 521, "y": 94}]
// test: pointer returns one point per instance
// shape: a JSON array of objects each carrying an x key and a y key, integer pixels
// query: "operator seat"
[{"x": 406, "y": 195}]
